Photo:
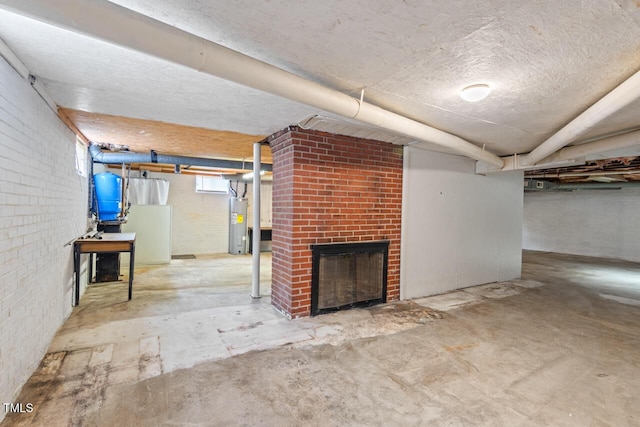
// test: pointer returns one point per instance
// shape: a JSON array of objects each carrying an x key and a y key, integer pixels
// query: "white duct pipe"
[
  {"x": 115, "y": 24},
  {"x": 586, "y": 186},
  {"x": 255, "y": 283},
  {"x": 18, "y": 65},
  {"x": 618, "y": 98},
  {"x": 580, "y": 174},
  {"x": 13, "y": 60},
  {"x": 625, "y": 140},
  {"x": 569, "y": 156}
]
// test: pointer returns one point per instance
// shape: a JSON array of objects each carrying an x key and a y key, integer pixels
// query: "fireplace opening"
[{"x": 346, "y": 275}]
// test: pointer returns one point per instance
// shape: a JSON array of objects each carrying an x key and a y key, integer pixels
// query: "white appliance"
[{"x": 152, "y": 225}]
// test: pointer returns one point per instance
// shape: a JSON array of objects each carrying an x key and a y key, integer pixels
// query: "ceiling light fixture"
[{"x": 475, "y": 92}]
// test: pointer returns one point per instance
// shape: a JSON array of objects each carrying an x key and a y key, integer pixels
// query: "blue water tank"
[{"x": 108, "y": 194}]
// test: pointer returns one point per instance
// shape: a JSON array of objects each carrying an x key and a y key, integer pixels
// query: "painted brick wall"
[
  {"x": 43, "y": 205},
  {"x": 200, "y": 222},
  {"x": 330, "y": 189}
]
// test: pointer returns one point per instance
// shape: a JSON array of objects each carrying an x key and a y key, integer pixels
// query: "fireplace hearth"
[{"x": 346, "y": 275}]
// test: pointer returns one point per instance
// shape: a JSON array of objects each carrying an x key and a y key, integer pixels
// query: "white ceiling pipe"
[
  {"x": 13, "y": 60},
  {"x": 623, "y": 95},
  {"x": 625, "y": 140},
  {"x": 569, "y": 156},
  {"x": 579, "y": 174},
  {"x": 513, "y": 162},
  {"x": 115, "y": 24},
  {"x": 377, "y": 116}
]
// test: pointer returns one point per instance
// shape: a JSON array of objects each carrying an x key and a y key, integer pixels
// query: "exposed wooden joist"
[
  {"x": 144, "y": 135},
  {"x": 72, "y": 126},
  {"x": 627, "y": 168}
]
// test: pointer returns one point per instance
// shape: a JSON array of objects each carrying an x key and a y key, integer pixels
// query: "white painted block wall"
[
  {"x": 43, "y": 204},
  {"x": 603, "y": 223},
  {"x": 200, "y": 221},
  {"x": 459, "y": 229}
]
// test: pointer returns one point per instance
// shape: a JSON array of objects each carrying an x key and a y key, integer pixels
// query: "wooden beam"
[{"x": 72, "y": 126}]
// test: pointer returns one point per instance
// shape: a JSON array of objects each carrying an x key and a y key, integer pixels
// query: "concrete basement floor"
[{"x": 558, "y": 347}]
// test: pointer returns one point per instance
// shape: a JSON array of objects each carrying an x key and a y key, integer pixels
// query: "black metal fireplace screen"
[{"x": 346, "y": 275}]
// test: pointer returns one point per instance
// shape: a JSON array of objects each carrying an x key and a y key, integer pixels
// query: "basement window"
[
  {"x": 211, "y": 185},
  {"x": 81, "y": 158}
]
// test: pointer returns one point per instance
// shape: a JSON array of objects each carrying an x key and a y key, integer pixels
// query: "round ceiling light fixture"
[{"x": 475, "y": 93}]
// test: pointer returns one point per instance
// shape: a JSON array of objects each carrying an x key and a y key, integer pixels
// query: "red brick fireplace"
[{"x": 330, "y": 189}]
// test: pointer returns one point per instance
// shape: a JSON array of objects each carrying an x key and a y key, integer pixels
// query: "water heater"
[{"x": 238, "y": 225}]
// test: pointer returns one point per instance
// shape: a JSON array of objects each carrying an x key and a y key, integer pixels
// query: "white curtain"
[{"x": 148, "y": 191}]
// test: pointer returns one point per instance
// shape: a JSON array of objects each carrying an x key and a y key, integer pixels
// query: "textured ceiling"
[
  {"x": 85, "y": 74},
  {"x": 546, "y": 60}
]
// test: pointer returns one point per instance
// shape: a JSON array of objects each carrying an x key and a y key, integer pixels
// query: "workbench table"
[{"x": 106, "y": 243}]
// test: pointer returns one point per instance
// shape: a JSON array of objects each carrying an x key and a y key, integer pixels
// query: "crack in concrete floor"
[{"x": 543, "y": 350}]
